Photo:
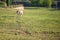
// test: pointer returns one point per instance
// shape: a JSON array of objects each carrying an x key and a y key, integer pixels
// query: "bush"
[{"x": 2, "y": 4}]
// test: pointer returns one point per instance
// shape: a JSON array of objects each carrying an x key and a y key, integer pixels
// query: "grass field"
[{"x": 35, "y": 24}]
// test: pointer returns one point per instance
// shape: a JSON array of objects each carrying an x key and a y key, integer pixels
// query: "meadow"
[{"x": 35, "y": 24}]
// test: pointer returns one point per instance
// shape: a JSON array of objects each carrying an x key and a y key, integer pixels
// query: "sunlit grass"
[{"x": 33, "y": 25}]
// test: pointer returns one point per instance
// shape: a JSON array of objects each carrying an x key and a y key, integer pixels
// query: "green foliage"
[
  {"x": 50, "y": 3},
  {"x": 34, "y": 2},
  {"x": 2, "y": 4},
  {"x": 46, "y": 3},
  {"x": 41, "y": 1},
  {"x": 8, "y": 2}
]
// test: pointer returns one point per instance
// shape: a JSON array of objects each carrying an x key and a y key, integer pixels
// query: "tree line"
[
  {"x": 40, "y": 3},
  {"x": 43, "y": 3}
]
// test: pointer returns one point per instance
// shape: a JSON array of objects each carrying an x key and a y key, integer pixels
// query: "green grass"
[{"x": 35, "y": 24}]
